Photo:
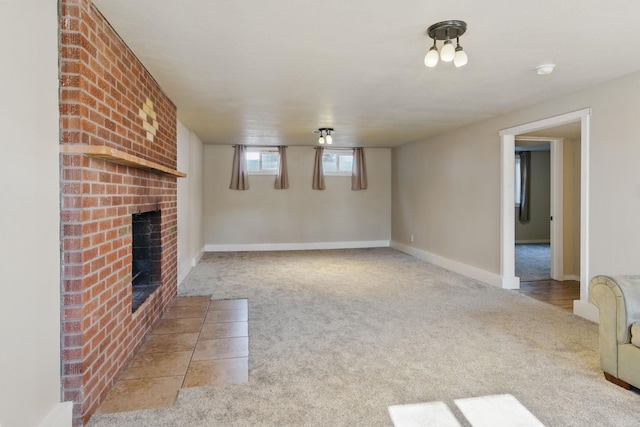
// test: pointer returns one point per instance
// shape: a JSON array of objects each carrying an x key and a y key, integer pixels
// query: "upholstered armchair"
[{"x": 618, "y": 299}]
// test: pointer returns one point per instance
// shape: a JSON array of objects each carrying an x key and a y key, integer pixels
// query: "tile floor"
[{"x": 199, "y": 342}]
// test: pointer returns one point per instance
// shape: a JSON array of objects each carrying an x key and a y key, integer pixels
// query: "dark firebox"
[{"x": 147, "y": 256}]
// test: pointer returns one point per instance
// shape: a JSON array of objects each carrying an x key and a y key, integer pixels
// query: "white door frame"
[
  {"x": 556, "y": 212},
  {"x": 507, "y": 203}
]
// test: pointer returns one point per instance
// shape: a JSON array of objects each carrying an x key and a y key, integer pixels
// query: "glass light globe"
[
  {"x": 321, "y": 140},
  {"x": 328, "y": 139},
  {"x": 431, "y": 58},
  {"x": 447, "y": 52},
  {"x": 460, "y": 58}
]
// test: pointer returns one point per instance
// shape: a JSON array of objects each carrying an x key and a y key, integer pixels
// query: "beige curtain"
[
  {"x": 525, "y": 187},
  {"x": 358, "y": 170},
  {"x": 318, "y": 173},
  {"x": 282, "y": 178},
  {"x": 239, "y": 175}
]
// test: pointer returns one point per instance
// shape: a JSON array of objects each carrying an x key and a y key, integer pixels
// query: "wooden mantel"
[{"x": 117, "y": 156}]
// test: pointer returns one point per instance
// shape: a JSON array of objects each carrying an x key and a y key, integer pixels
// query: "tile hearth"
[{"x": 199, "y": 342}]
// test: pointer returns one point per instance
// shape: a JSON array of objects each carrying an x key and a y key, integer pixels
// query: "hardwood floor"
[{"x": 560, "y": 294}]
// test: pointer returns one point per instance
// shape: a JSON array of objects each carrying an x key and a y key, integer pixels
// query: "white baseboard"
[
  {"x": 457, "y": 267},
  {"x": 60, "y": 416},
  {"x": 196, "y": 259},
  {"x": 512, "y": 282},
  {"x": 186, "y": 268},
  {"x": 183, "y": 274},
  {"x": 533, "y": 241},
  {"x": 586, "y": 310},
  {"x": 571, "y": 277},
  {"x": 256, "y": 247}
]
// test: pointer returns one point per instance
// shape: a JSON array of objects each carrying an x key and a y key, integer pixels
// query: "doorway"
[
  {"x": 507, "y": 256},
  {"x": 552, "y": 229},
  {"x": 533, "y": 243}
]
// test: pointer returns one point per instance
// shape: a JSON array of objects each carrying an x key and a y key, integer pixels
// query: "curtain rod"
[
  {"x": 338, "y": 148},
  {"x": 286, "y": 146},
  {"x": 260, "y": 146}
]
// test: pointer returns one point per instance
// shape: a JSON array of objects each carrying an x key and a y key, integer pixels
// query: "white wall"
[
  {"x": 571, "y": 208},
  {"x": 446, "y": 190},
  {"x": 190, "y": 193},
  {"x": 196, "y": 198},
  {"x": 299, "y": 217},
  {"x": 446, "y": 194},
  {"x": 30, "y": 226}
]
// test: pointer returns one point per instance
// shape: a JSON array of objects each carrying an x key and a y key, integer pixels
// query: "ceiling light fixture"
[
  {"x": 447, "y": 31},
  {"x": 325, "y": 135}
]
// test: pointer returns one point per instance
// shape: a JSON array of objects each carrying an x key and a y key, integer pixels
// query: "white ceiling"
[{"x": 270, "y": 72}]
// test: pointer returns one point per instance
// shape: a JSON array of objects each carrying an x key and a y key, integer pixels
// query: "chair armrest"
[
  {"x": 618, "y": 299},
  {"x": 618, "y": 302}
]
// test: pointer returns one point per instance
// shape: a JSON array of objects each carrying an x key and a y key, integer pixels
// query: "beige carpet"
[
  {"x": 533, "y": 262},
  {"x": 336, "y": 337}
]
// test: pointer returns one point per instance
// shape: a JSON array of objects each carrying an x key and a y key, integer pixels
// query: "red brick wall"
[{"x": 103, "y": 87}]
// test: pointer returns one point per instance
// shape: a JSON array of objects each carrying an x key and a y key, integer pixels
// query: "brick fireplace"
[{"x": 118, "y": 160}]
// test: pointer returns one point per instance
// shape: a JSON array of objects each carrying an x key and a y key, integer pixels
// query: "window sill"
[{"x": 262, "y": 173}]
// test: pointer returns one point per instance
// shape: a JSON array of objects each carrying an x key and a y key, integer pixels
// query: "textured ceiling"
[{"x": 269, "y": 73}]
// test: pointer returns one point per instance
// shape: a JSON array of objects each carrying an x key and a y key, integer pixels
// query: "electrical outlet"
[{"x": 412, "y": 238}]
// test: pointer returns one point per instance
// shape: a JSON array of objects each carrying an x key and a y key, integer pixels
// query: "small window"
[
  {"x": 517, "y": 181},
  {"x": 262, "y": 161},
  {"x": 337, "y": 162}
]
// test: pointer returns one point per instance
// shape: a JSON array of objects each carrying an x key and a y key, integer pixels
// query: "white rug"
[{"x": 502, "y": 410}]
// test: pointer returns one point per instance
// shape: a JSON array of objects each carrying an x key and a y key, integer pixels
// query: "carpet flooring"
[
  {"x": 533, "y": 262},
  {"x": 336, "y": 337}
]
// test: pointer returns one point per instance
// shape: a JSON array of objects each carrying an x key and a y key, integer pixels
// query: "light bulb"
[
  {"x": 321, "y": 140},
  {"x": 431, "y": 58},
  {"x": 329, "y": 139},
  {"x": 447, "y": 52},
  {"x": 460, "y": 58}
]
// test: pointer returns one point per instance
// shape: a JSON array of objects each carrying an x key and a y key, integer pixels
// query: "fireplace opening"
[{"x": 146, "y": 256}]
